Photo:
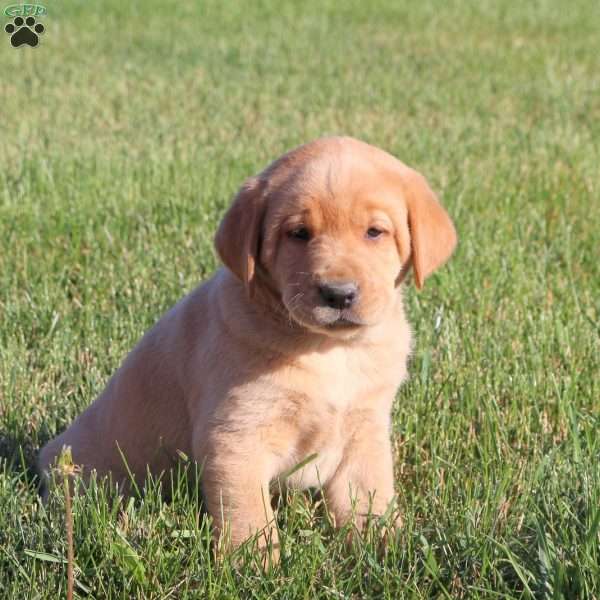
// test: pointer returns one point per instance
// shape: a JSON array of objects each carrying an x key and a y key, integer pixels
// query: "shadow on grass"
[{"x": 19, "y": 453}]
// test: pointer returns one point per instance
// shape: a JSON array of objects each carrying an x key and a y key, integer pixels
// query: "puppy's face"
[
  {"x": 329, "y": 244},
  {"x": 332, "y": 225}
]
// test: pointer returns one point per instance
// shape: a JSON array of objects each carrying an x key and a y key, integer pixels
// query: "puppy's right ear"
[{"x": 238, "y": 237}]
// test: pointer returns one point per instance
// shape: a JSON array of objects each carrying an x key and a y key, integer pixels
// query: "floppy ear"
[
  {"x": 238, "y": 238},
  {"x": 432, "y": 233}
]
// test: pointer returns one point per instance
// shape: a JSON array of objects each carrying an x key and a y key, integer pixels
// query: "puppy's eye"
[
  {"x": 300, "y": 233},
  {"x": 373, "y": 233}
]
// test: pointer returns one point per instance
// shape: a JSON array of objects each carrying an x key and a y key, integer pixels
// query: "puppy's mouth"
[
  {"x": 336, "y": 320},
  {"x": 326, "y": 319},
  {"x": 343, "y": 322}
]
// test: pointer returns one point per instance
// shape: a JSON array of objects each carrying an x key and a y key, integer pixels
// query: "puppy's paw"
[
  {"x": 262, "y": 548},
  {"x": 370, "y": 528}
]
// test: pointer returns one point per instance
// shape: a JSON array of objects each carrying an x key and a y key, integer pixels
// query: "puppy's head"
[{"x": 333, "y": 227}]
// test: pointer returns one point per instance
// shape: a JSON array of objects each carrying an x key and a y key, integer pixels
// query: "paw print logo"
[{"x": 24, "y": 31}]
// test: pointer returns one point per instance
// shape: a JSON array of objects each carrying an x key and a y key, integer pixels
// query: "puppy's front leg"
[
  {"x": 236, "y": 492},
  {"x": 363, "y": 484}
]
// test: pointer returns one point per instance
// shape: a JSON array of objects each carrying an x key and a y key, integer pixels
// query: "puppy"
[{"x": 295, "y": 349}]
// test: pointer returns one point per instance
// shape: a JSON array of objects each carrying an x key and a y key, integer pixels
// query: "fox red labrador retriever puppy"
[{"x": 295, "y": 348}]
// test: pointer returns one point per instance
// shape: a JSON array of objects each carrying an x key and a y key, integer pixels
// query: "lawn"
[{"x": 123, "y": 137}]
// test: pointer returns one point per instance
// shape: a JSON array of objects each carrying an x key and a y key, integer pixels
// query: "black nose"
[{"x": 339, "y": 295}]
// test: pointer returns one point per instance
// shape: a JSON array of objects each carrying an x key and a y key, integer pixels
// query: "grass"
[{"x": 123, "y": 137}]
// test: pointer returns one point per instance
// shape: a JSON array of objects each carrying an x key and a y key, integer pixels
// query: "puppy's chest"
[
  {"x": 330, "y": 399},
  {"x": 339, "y": 381}
]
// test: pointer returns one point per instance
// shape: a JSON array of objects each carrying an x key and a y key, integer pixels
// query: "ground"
[{"x": 124, "y": 135}]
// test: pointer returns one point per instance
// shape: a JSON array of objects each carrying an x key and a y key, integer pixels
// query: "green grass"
[{"x": 122, "y": 139}]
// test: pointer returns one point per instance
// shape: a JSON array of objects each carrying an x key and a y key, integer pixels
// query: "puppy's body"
[{"x": 259, "y": 368}]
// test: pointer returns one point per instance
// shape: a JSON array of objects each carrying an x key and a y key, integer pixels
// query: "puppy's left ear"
[
  {"x": 432, "y": 234},
  {"x": 238, "y": 238}
]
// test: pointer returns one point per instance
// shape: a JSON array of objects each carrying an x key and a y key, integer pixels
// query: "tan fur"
[{"x": 250, "y": 373}]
